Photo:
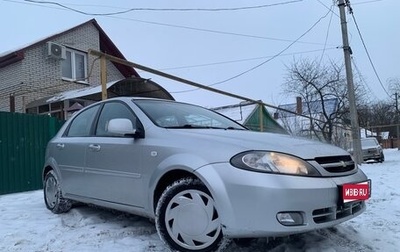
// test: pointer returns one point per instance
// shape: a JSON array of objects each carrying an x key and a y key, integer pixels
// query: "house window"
[{"x": 74, "y": 66}]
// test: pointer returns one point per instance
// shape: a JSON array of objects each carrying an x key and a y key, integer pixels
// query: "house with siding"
[{"x": 56, "y": 64}]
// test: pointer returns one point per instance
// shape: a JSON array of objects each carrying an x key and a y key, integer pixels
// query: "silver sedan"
[{"x": 204, "y": 178}]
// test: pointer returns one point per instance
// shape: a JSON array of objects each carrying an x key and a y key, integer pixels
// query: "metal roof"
[
  {"x": 138, "y": 87},
  {"x": 314, "y": 107}
]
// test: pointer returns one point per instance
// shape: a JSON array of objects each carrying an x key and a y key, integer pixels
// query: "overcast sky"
[{"x": 209, "y": 47}]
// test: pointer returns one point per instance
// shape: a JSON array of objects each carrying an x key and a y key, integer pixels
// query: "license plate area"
[{"x": 354, "y": 192}]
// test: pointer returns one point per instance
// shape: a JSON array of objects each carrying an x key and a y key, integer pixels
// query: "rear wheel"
[
  {"x": 186, "y": 218},
  {"x": 53, "y": 195}
]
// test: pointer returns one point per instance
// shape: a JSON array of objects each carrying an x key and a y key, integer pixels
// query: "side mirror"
[{"x": 121, "y": 126}]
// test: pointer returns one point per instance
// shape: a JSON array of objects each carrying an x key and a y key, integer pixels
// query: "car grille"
[
  {"x": 336, "y": 164},
  {"x": 369, "y": 151},
  {"x": 334, "y": 213}
]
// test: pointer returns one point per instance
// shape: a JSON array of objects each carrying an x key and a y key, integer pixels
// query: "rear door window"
[{"x": 82, "y": 124}]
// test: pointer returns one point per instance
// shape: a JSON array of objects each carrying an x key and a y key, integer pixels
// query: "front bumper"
[
  {"x": 248, "y": 202},
  {"x": 371, "y": 154}
]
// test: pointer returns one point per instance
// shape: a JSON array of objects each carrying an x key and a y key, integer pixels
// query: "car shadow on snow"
[
  {"x": 340, "y": 238},
  {"x": 332, "y": 239}
]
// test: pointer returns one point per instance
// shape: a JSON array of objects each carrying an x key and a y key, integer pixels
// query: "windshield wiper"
[
  {"x": 188, "y": 126},
  {"x": 191, "y": 126}
]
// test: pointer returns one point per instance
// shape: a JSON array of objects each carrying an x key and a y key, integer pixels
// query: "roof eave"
[
  {"x": 11, "y": 58},
  {"x": 106, "y": 46}
]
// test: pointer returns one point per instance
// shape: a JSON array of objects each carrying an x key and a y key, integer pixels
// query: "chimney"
[{"x": 299, "y": 105}]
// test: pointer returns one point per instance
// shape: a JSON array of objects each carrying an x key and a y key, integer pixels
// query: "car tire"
[
  {"x": 53, "y": 195},
  {"x": 187, "y": 219},
  {"x": 381, "y": 159}
]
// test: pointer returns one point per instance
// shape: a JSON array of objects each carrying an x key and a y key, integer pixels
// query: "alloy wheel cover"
[
  {"x": 51, "y": 191},
  {"x": 191, "y": 220}
]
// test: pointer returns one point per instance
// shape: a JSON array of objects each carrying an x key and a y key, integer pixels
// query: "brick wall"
[{"x": 38, "y": 76}]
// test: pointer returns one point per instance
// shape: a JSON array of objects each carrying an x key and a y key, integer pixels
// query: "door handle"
[
  {"x": 60, "y": 146},
  {"x": 94, "y": 147}
]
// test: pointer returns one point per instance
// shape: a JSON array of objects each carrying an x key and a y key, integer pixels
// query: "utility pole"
[
  {"x": 355, "y": 129},
  {"x": 103, "y": 77}
]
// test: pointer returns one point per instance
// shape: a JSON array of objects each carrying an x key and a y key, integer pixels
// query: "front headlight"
[{"x": 273, "y": 162}]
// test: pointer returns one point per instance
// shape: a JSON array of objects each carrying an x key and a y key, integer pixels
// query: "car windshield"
[{"x": 169, "y": 114}]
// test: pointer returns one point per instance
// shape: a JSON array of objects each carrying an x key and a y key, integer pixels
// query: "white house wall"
[
  {"x": 9, "y": 83},
  {"x": 38, "y": 76}
]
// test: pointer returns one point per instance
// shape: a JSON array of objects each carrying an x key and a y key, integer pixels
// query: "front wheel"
[
  {"x": 186, "y": 218},
  {"x": 53, "y": 195}
]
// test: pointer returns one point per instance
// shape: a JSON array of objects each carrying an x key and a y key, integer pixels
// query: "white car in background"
[{"x": 371, "y": 150}]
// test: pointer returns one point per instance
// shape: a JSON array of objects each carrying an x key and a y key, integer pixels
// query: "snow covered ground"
[{"x": 26, "y": 224}]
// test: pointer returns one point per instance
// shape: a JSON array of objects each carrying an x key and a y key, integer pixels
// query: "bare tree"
[
  {"x": 379, "y": 116},
  {"x": 382, "y": 115},
  {"x": 318, "y": 85},
  {"x": 393, "y": 85}
]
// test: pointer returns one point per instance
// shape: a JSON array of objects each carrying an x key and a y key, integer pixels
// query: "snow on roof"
[
  {"x": 45, "y": 38},
  {"x": 78, "y": 93},
  {"x": 238, "y": 112},
  {"x": 37, "y": 41}
]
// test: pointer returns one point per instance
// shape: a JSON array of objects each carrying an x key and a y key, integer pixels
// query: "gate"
[{"x": 23, "y": 140}]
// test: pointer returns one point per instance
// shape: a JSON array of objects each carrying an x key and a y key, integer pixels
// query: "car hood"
[{"x": 242, "y": 140}]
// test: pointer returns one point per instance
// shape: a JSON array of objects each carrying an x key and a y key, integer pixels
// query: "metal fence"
[
  {"x": 388, "y": 135},
  {"x": 23, "y": 140}
]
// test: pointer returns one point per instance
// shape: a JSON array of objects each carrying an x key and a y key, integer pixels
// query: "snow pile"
[{"x": 26, "y": 224}]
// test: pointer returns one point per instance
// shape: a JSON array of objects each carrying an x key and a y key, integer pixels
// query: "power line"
[
  {"x": 328, "y": 8},
  {"x": 273, "y": 57},
  {"x": 266, "y": 61},
  {"x": 367, "y": 52},
  {"x": 366, "y": 2},
  {"x": 216, "y": 31},
  {"x": 235, "y": 61},
  {"x": 327, "y": 34},
  {"x": 362, "y": 77},
  {"x": 184, "y": 27},
  {"x": 242, "y": 60},
  {"x": 163, "y": 9}
]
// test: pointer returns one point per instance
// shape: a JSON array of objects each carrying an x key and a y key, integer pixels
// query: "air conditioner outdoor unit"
[{"x": 55, "y": 51}]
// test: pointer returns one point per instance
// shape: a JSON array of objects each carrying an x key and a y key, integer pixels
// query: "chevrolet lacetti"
[{"x": 202, "y": 177}]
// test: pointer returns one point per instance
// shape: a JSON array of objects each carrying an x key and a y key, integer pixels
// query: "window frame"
[
  {"x": 98, "y": 107},
  {"x": 73, "y": 66},
  {"x": 138, "y": 125}
]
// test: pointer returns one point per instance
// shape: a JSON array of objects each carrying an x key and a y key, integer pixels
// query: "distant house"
[
  {"x": 60, "y": 63},
  {"x": 252, "y": 115},
  {"x": 302, "y": 126}
]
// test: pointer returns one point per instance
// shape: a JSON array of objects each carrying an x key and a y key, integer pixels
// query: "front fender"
[{"x": 184, "y": 162}]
